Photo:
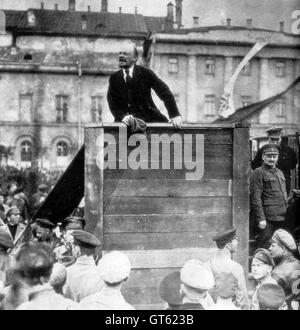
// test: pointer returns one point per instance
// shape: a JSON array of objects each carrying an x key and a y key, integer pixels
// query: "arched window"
[
  {"x": 62, "y": 149},
  {"x": 26, "y": 151}
]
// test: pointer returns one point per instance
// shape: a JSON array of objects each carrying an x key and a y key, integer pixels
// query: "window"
[
  {"x": 280, "y": 69},
  {"x": 96, "y": 109},
  {"x": 62, "y": 153},
  {"x": 280, "y": 108},
  {"x": 173, "y": 65},
  {"x": 209, "y": 105},
  {"x": 25, "y": 107},
  {"x": 246, "y": 71},
  {"x": 84, "y": 22},
  {"x": 210, "y": 66},
  {"x": 62, "y": 105},
  {"x": 62, "y": 149},
  {"x": 26, "y": 151},
  {"x": 245, "y": 100}
]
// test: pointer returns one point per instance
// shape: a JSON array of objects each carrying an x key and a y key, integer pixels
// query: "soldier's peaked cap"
[
  {"x": 45, "y": 223},
  {"x": 274, "y": 131},
  {"x": 225, "y": 237},
  {"x": 270, "y": 148},
  {"x": 284, "y": 238},
  {"x": 73, "y": 222},
  {"x": 85, "y": 238}
]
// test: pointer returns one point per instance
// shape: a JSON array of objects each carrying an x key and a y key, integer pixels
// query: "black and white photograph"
[{"x": 149, "y": 157}]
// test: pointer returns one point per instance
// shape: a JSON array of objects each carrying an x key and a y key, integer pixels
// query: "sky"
[{"x": 264, "y": 13}]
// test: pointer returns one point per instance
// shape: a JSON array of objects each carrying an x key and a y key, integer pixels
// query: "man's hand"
[
  {"x": 262, "y": 224},
  {"x": 176, "y": 121},
  {"x": 126, "y": 120}
]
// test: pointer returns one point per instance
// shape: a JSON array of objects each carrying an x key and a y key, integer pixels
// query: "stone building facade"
[
  {"x": 55, "y": 65},
  {"x": 54, "y": 69},
  {"x": 197, "y": 63}
]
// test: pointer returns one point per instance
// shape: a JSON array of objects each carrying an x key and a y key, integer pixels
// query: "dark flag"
[{"x": 66, "y": 194}]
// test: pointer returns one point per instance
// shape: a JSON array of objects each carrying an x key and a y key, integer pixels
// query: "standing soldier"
[
  {"x": 63, "y": 253},
  {"x": 268, "y": 197},
  {"x": 44, "y": 233},
  {"x": 82, "y": 277},
  {"x": 227, "y": 243},
  {"x": 287, "y": 268},
  {"x": 287, "y": 159}
]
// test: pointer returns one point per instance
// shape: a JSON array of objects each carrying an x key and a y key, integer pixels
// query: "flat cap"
[
  {"x": 270, "y": 149},
  {"x": 45, "y": 223},
  {"x": 5, "y": 239},
  {"x": 274, "y": 131},
  {"x": 12, "y": 210},
  {"x": 225, "y": 237},
  {"x": 226, "y": 284},
  {"x": 85, "y": 239},
  {"x": 285, "y": 239},
  {"x": 196, "y": 275},
  {"x": 114, "y": 267},
  {"x": 169, "y": 289},
  {"x": 73, "y": 223},
  {"x": 264, "y": 256},
  {"x": 270, "y": 296}
]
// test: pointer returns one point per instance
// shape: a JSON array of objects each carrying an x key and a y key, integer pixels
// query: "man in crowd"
[
  {"x": 261, "y": 269},
  {"x": 114, "y": 269},
  {"x": 287, "y": 159},
  {"x": 19, "y": 232},
  {"x": 18, "y": 198},
  {"x": 268, "y": 198},
  {"x": 6, "y": 243},
  {"x": 129, "y": 92},
  {"x": 225, "y": 288},
  {"x": 34, "y": 265},
  {"x": 63, "y": 253},
  {"x": 38, "y": 198},
  {"x": 82, "y": 277},
  {"x": 222, "y": 262},
  {"x": 287, "y": 268},
  {"x": 44, "y": 232},
  {"x": 169, "y": 291},
  {"x": 196, "y": 280},
  {"x": 270, "y": 297}
]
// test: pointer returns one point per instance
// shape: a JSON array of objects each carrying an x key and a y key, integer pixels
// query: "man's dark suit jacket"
[{"x": 141, "y": 103}]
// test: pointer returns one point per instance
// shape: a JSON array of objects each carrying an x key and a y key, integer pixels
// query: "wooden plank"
[
  {"x": 166, "y": 223},
  {"x": 166, "y": 205},
  {"x": 150, "y": 241},
  {"x": 214, "y": 169},
  {"x": 166, "y": 188},
  {"x": 171, "y": 258},
  {"x": 94, "y": 182},
  {"x": 212, "y": 135},
  {"x": 240, "y": 197}
]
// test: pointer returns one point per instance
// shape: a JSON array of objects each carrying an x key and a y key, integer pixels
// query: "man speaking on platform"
[{"x": 129, "y": 92}]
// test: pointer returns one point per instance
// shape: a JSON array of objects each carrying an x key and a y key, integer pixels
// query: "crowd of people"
[{"x": 60, "y": 266}]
